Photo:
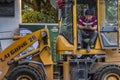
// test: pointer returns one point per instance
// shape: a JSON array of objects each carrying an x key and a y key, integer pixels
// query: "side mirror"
[{"x": 59, "y": 14}]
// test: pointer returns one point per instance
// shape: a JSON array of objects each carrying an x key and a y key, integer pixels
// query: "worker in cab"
[{"x": 87, "y": 28}]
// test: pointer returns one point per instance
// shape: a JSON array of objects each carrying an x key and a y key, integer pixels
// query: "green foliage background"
[
  {"x": 45, "y": 13},
  {"x": 37, "y": 17}
]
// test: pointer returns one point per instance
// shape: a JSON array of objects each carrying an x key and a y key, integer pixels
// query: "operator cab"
[{"x": 106, "y": 12}]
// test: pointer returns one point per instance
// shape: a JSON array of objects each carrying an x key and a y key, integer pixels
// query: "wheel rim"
[
  {"x": 112, "y": 76},
  {"x": 24, "y": 77}
]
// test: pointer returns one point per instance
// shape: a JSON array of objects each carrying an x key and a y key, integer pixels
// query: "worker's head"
[{"x": 88, "y": 14}]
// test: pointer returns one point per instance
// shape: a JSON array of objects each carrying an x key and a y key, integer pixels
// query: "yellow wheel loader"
[{"x": 101, "y": 63}]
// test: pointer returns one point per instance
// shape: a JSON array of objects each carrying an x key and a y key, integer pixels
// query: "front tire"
[
  {"x": 24, "y": 72},
  {"x": 108, "y": 72}
]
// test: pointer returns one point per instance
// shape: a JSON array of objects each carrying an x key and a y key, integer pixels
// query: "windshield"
[
  {"x": 110, "y": 13},
  {"x": 67, "y": 22}
]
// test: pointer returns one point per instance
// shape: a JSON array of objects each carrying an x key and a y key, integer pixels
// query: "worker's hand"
[
  {"x": 91, "y": 28},
  {"x": 87, "y": 27}
]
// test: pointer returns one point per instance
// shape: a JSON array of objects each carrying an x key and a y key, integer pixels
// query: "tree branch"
[{"x": 27, "y": 3}]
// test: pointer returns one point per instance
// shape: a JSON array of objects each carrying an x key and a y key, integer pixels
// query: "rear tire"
[
  {"x": 24, "y": 72},
  {"x": 108, "y": 72}
]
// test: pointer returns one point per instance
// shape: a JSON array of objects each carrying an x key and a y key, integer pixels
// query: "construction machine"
[{"x": 101, "y": 63}]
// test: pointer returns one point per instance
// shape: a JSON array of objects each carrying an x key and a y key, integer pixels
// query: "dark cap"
[{"x": 88, "y": 12}]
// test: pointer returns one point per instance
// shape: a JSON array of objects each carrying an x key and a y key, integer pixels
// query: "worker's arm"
[{"x": 87, "y": 27}]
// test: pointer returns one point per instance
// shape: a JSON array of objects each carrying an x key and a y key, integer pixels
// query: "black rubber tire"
[
  {"x": 24, "y": 70},
  {"x": 102, "y": 72}
]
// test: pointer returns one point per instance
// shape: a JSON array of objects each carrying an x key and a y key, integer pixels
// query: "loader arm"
[{"x": 18, "y": 46}]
